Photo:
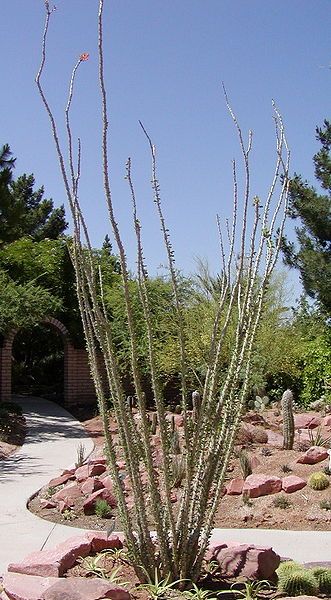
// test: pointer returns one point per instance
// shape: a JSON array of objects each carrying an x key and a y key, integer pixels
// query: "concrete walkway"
[{"x": 51, "y": 446}]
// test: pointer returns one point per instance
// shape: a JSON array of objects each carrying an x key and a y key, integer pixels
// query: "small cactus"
[
  {"x": 245, "y": 464},
  {"x": 261, "y": 403},
  {"x": 288, "y": 419},
  {"x": 172, "y": 424},
  {"x": 196, "y": 403},
  {"x": 153, "y": 423},
  {"x": 318, "y": 481},
  {"x": 298, "y": 583},
  {"x": 323, "y": 578}
]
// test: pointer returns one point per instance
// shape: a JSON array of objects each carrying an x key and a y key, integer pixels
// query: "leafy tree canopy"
[
  {"x": 23, "y": 211},
  {"x": 312, "y": 253}
]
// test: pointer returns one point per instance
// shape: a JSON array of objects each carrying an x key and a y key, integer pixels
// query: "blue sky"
[{"x": 165, "y": 61}]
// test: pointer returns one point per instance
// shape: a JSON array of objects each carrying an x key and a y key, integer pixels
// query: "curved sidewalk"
[{"x": 51, "y": 446}]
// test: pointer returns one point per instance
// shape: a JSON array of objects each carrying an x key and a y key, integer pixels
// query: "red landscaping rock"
[
  {"x": 261, "y": 485},
  {"x": 53, "y": 563},
  {"x": 292, "y": 483},
  {"x": 61, "y": 479},
  {"x": 107, "y": 482},
  {"x": 235, "y": 486},
  {"x": 327, "y": 421},
  {"x": 92, "y": 484},
  {"x": 276, "y": 440},
  {"x": 306, "y": 421},
  {"x": 246, "y": 560},
  {"x": 253, "y": 418},
  {"x": 62, "y": 506},
  {"x": 254, "y": 461},
  {"x": 90, "y": 470},
  {"x": 47, "y": 503},
  {"x": 251, "y": 434},
  {"x": 26, "y": 587},
  {"x": 101, "y": 541},
  {"x": 80, "y": 588},
  {"x": 300, "y": 598},
  {"x": 98, "y": 460},
  {"x": 173, "y": 497},
  {"x": 121, "y": 464},
  {"x": 103, "y": 494},
  {"x": 69, "y": 493},
  {"x": 314, "y": 455}
]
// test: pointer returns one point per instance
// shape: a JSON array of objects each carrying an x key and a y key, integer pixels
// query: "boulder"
[
  {"x": 327, "y": 421},
  {"x": 300, "y": 598},
  {"x": 61, "y": 479},
  {"x": 254, "y": 418},
  {"x": 92, "y": 484},
  {"x": 101, "y": 541},
  {"x": 313, "y": 455},
  {"x": 80, "y": 588},
  {"x": 32, "y": 587},
  {"x": 292, "y": 483},
  {"x": 44, "y": 503},
  {"x": 107, "y": 482},
  {"x": 103, "y": 494},
  {"x": 98, "y": 460},
  {"x": 275, "y": 439},
  {"x": 251, "y": 434},
  {"x": 68, "y": 494},
  {"x": 62, "y": 506},
  {"x": 26, "y": 587},
  {"x": 90, "y": 470},
  {"x": 53, "y": 563},
  {"x": 245, "y": 560},
  {"x": 235, "y": 486},
  {"x": 261, "y": 485},
  {"x": 307, "y": 421}
]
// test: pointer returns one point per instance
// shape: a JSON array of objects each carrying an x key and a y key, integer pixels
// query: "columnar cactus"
[
  {"x": 196, "y": 402},
  {"x": 288, "y": 419},
  {"x": 153, "y": 423}
]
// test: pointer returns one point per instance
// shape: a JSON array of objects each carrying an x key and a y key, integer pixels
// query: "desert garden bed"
[{"x": 277, "y": 495}]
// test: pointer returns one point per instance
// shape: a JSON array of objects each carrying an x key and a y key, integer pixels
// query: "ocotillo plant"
[{"x": 182, "y": 534}]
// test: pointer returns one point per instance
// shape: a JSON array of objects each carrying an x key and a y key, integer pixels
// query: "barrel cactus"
[
  {"x": 288, "y": 419},
  {"x": 318, "y": 481},
  {"x": 287, "y": 567},
  {"x": 323, "y": 578},
  {"x": 298, "y": 583}
]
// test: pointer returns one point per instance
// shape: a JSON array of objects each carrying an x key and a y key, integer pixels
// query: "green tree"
[
  {"x": 23, "y": 211},
  {"x": 312, "y": 254}
]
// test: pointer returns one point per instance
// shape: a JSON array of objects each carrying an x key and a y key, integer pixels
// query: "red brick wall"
[{"x": 78, "y": 385}]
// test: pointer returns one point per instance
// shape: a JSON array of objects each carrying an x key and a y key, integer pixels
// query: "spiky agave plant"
[{"x": 182, "y": 536}]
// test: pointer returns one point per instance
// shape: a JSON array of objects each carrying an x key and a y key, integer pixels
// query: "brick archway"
[{"x": 78, "y": 386}]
